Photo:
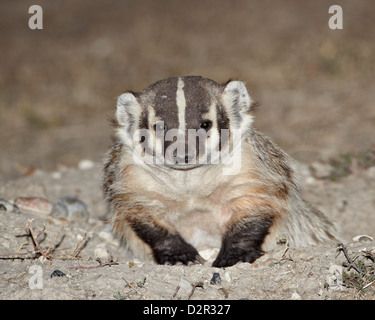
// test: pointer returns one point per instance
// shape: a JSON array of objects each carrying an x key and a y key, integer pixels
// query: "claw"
[{"x": 198, "y": 260}]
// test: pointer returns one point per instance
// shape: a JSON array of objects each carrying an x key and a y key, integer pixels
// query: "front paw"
[
  {"x": 231, "y": 257},
  {"x": 243, "y": 244},
  {"x": 174, "y": 250}
]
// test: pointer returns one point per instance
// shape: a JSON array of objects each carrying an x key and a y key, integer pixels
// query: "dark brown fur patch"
[
  {"x": 252, "y": 217},
  {"x": 223, "y": 123},
  {"x": 243, "y": 243},
  {"x": 164, "y": 102},
  {"x": 282, "y": 191},
  {"x": 167, "y": 248},
  {"x": 144, "y": 120},
  {"x": 197, "y": 102},
  {"x": 110, "y": 168}
]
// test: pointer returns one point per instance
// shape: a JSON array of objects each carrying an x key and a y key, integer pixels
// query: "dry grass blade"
[
  {"x": 110, "y": 262},
  {"x": 76, "y": 250}
]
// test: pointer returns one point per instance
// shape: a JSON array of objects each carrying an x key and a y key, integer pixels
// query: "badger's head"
[{"x": 183, "y": 123}]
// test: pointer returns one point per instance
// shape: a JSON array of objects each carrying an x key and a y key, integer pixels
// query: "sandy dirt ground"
[
  {"x": 59, "y": 87},
  {"x": 284, "y": 273}
]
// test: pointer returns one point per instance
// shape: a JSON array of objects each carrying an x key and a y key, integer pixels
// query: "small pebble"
[
  {"x": 56, "y": 175},
  {"x": 34, "y": 205},
  {"x": 321, "y": 170},
  {"x": 71, "y": 209},
  {"x": 295, "y": 296},
  {"x": 101, "y": 252},
  {"x": 108, "y": 237},
  {"x": 227, "y": 276},
  {"x": 105, "y": 235},
  {"x": 209, "y": 254},
  {"x": 57, "y": 273},
  {"x": 362, "y": 238},
  {"x": 6, "y": 206},
  {"x": 85, "y": 164},
  {"x": 42, "y": 259},
  {"x": 215, "y": 278},
  {"x": 310, "y": 180},
  {"x": 138, "y": 263}
]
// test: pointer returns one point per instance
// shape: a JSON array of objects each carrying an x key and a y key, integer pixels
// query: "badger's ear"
[
  {"x": 127, "y": 117},
  {"x": 128, "y": 111},
  {"x": 237, "y": 95},
  {"x": 237, "y": 102}
]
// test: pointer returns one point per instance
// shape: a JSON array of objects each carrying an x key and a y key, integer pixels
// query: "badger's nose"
[{"x": 185, "y": 159}]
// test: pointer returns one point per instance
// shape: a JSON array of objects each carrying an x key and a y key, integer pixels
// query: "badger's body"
[{"x": 170, "y": 204}]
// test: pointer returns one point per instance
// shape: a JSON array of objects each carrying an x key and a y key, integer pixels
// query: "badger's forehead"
[{"x": 186, "y": 99}]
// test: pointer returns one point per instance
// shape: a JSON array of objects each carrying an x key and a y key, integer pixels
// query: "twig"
[
  {"x": 54, "y": 240},
  {"x": 22, "y": 244},
  {"x": 41, "y": 231},
  {"x": 368, "y": 285},
  {"x": 342, "y": 248},
  {"x": 38, "y": 248},
  {"x": 175, "y": 292},
  {"x": 101, "y": 264},
  {"x": 75, "y": 252},
  {"x": 369, "y": 255},
  {"x": 364, "y": 288},
  {"x": 197, "y": 284},
  {"x": 131, "y": 285},
  {"x": 285, "y": 249},
  {"x": 6, "y": 256}
]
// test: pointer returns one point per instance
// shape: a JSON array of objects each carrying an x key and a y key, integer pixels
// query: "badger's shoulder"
[
  {"x": 270, "y": 159},
  {"x": 111, "y": 167}
]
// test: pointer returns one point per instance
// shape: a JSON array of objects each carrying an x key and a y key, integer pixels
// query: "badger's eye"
[
  {"x": 160, "y": 126},
  {"x": 206, "y": 125}
]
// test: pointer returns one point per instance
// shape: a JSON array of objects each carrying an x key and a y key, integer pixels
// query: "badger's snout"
[{"x": 182, "y": 151}]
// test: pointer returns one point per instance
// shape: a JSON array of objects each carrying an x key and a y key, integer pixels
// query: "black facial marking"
[
  {"x": 167, "y": 248},
  {"x": 223, "y": 123},
  {"x": 222, "y": 117},
  {"x": 243, "y": 243},
  {"x": 197, "y": 102},
  {"x": 164, "y": 102},
  {"x": 144, "y": 120}
]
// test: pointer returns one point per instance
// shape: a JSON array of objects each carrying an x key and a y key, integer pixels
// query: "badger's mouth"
[{"x": 183, "y": 166}]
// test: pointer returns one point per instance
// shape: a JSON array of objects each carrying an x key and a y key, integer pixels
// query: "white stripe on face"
[{"x": 181, "y": 105}]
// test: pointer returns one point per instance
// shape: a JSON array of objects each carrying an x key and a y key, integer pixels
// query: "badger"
[{"x": 188, "y": 172}]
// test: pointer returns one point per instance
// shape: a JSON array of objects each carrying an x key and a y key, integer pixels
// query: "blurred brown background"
[{"x": 59, "y": 85}]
